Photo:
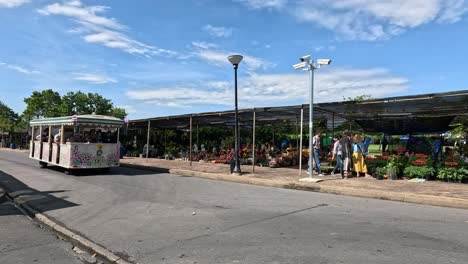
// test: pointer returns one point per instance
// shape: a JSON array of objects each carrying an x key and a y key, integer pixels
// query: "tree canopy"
[
  {"x": 49, "y": 103},
  {"x": 8, "y": 118}
]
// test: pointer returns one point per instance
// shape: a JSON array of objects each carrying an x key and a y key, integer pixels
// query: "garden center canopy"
[{"x": 426, "y": 113}]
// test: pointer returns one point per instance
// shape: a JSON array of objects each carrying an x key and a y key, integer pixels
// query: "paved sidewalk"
[
  {"x": 22, "y": 241},
  {"x": 430, "y": 192}
]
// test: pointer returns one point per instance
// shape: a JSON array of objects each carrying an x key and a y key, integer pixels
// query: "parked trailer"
[{"x": 76, "y": 142}]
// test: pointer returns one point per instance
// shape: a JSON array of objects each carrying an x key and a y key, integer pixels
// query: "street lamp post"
[
  {"x": 308, "y": 64},
  {"x": 235, "y": 60}
]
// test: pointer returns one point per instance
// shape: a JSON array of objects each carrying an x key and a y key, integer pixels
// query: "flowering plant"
[
  {"x": 419, "y": 162},
  {"x": 421, "y": 156}
]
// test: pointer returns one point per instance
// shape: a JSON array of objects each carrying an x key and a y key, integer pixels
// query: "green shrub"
[
  {"x": 380, "y": 172},
  {"x": 373, "y": 165},
  {"x": 326, "y": 169},
  {"x": 425, "y": 172},
  {"x": 396, "y": 165},
  {"x": 453, "y": 174}
]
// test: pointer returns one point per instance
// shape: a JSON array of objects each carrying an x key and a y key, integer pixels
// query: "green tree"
[
  {"x": 50, "y": 104},
  {"x": 118, "y": 112},
  {"x": 8, "y": 118},
  {"x": 42, "y": 104},
  {"x": 359, "y": 98}
]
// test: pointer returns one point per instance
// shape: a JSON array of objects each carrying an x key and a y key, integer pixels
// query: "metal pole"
[
  {"x": 32, "y": 142},
  {"x": 118, "y": 135},
  {"x": 273, "y": 135},
  {"x": 253, "y": 143},
  {"x": 49, "y": 141},
  {"x": 40, "y": 142},
  {"x": 147, "y": 140},
  {"x": 62, "y": 134},
  {"x": 190, "y": 151},
  {"x": 197, "y": 136},
  {"x": 311, "y": 119},
  {"x": 297, "y": 139},
  {"x": 300, "y": 142},
  {"x": 333, "y": 126},
  {"x": 237, "y": 169}
]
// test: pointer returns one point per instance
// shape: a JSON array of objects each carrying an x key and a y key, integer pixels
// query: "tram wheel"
[{"x": 43, "y": 164}]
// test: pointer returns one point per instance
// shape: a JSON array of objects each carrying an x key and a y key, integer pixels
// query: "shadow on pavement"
[
  {"x": 40, "y": 201},
  {"x": 118, "y": 171},
  {"x": 115, "y": 171},
  {"x": 7, "y": 208}
]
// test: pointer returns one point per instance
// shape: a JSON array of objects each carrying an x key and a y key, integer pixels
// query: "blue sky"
[{"x": 158, "y": 58}]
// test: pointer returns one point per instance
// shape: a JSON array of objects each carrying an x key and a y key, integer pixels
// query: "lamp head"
[{"x": 235, "y": 59}]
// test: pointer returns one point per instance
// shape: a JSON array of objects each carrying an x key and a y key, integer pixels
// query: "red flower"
[
  {"x": 420, "y": 155},
  {"x": 419, "y": 162},
  {"x": 400, "y": 150},
  {"x": 451, "y": 164}
]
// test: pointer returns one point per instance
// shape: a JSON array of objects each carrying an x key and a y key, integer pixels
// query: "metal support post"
[
  {"x": 148, "y": 139},
  {"x": 253, "y": 143},
  {"x": 190, "y": 151},
  {"x": 300, "y": 142},
  {"x": 311, "y": 121}
]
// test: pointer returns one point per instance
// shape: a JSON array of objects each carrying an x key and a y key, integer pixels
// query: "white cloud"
[
  {"x": 99, "y": 29},
  {"x": 203, "y": 45},
  {"x": 217, "y": 57},
  {"x": 217, "y": 31},
  {"x": 12, "y": 3},
  {"x": 209, "y": 53},
  {"x": 130, "y": 109},
  {"x": 94, "y": 78},
  {"x": 19, "y": 69},
  {"x": 369, "y": 20},
  {"x": 278, "y": 89},
  {"x": 259, "y": 4}
]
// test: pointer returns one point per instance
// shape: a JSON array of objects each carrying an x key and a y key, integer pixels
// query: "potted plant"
[
  {"x": 395, "y": 166},
  {"x": 380, "y": 173}
]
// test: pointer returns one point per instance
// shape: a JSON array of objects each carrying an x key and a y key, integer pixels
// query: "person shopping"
[
  {"x": 316, "y": 150},
  {"x": 360, "y": 146},
  {"x": 346, "y": 143},
  {"x": 338, "y": 155}
]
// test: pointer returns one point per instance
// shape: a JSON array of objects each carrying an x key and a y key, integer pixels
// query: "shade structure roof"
[
  {"x": 97, "y": 120},
  {"x": 426, "y": 113}
]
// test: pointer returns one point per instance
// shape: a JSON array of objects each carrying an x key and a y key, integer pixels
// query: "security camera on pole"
[{"x": 307, "y": 64}]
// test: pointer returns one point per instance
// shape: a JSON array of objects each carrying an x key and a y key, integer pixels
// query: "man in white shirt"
[
  {"x": 338, "y": 155},
  {"x": 316, "y": 144}
]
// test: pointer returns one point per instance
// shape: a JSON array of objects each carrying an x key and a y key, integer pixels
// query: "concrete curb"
[
  {"x": 69, "y": 234},
  {"x": 398, "y": 197},
  {"x": 315, "y": 187}
]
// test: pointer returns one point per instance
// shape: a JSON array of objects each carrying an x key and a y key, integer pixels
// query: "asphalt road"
[{"x": 161, "y": 218}]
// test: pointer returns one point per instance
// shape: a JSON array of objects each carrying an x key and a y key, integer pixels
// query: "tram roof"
[{"x": 95, "y": 120}]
